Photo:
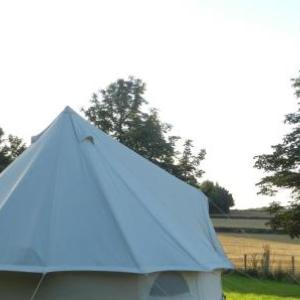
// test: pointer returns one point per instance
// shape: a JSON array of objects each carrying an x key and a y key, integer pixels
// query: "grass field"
[
  {"x": 283, "y": 250},
  {"x": 240, "y": 223},
  {"x": 246, "y": 213},
  {"x": 281, "y": 246},
  {"x": 236, "y": 243},
  {"x": 242, "y": 288}
]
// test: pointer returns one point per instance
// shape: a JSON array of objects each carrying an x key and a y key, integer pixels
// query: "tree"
[
  {"x": 10, "y": 148},
  {"x": 119, "y": 110},
  {"x": 220, "y": 200},
  {"x": 188, "y": 165},
  {"x": 283, "y": 171},
  {"x": 4, "y": 161}
]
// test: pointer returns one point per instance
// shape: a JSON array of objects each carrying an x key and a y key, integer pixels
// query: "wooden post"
[
  {"x": 265, "y": 262},
  {"x": 293, "y": 271},
  {"x": 245, "y": 262}
]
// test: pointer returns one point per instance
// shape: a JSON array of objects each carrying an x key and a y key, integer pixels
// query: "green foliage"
[
  {"x": 285, "y": 217},
  {"x": 238, "y": 287},
  {"x": 220, "y": 198},
  {"x": 119, "y": 110},
  {"x": 187, "y": 167},
  {"x": 10, "y": 148},
  {"x": 283, "y": 171}
]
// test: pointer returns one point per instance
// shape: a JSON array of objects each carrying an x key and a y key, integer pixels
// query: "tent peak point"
[{"x": 68, "y": 109}]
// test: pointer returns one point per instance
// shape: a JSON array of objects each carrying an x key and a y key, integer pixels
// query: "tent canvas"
[
  {"x": 78, "y": 201},
  {"x": 111, "y": 286}
]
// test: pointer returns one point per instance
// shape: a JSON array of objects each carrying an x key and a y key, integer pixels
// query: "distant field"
[
  {"x": 282, "y": 249},
  {"x": 240, "y": 223},
  {"x": 247, "y": 242},
  {"x": 242, "y": 288},
  {"x": 280, "y": 238},
  {"x": 245, "y": 237},
  {"x": 246, "y": 213}
]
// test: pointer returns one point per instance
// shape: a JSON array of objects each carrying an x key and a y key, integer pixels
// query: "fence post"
[
  {"x": 245, "y": 262},
  {"x": 266, "y": 262},
  {"x": 293, "y": 265}
]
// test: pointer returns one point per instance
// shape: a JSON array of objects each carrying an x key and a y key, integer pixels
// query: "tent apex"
[{"x": 68, "y": 109}]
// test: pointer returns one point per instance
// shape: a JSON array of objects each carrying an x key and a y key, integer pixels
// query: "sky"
[{"x": 218, "y": 71}]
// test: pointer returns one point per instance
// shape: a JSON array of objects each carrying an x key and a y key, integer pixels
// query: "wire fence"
[
  {"x": 264, "y": 257},
  {"x": 266, "y": 262},
  {"x": 260, "y": 261}
]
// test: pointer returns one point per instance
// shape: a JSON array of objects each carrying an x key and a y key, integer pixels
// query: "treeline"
[
  {"x": 220, "y": 200},
  {"x": 121, "y": 111}
]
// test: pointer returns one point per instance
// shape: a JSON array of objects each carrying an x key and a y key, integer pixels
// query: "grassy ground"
[
  {"x": 240, "y": 223},
  {"x": 242, "y": 288}
]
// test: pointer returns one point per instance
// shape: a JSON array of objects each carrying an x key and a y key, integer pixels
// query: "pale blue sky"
[
  {"x": 219, "y": 71},
  {"x": 281, "y": 15}
]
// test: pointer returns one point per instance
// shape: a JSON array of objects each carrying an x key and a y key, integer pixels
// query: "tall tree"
[
  {"x": 188, "y": 164},
  {"x": 283, "y": 171},
  {"x": 10, "y": 148},
  {"x": 220, "y": 200},
  {"x": 120, "y": 111}
]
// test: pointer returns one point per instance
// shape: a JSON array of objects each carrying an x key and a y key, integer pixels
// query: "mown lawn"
[{"x": 242, "y": 288}]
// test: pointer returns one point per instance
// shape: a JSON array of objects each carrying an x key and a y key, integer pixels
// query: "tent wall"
[
  {"x": 89, "y": 286},
  {"x": 201, "y": 285},
  {"x": 17, "y": 286},
  {"x": 209, "y": 285},
  {"x": 112, "y": 286}
]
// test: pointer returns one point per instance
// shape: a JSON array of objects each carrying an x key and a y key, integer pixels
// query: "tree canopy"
[
  {"x": 10, "y": 148},
  {"x": 282, "y": 168},
  {"x": 220, "y": 200},
  {"x": 121, "y": 111}
]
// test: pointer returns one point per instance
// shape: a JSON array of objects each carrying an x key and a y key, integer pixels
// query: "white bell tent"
[{"x": 83, "y": 217}]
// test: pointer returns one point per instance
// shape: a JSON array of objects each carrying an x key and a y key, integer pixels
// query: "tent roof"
[{"x": 76, "y": 199}]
